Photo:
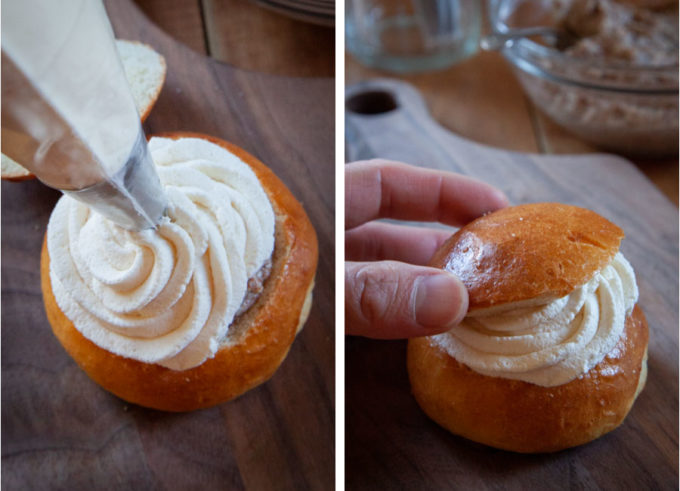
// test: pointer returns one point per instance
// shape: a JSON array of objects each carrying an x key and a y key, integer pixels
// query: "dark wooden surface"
[
  {"x": 481, "y": 100},
  {"x": 61, "y": 431},
  {"x": 391, "y": 444},
  {"x": 247, "y": 35}
]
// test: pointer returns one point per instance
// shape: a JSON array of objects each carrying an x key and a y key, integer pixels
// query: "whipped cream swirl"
[
  {"x": 553, "y": 343},
  {"x": 166, "y": 296}
]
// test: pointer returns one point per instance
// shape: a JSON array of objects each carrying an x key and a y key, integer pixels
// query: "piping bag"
[{"x": 67, "y": 111}]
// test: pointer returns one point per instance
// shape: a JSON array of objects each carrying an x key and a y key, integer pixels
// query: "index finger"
[{"x": 386, "y": 189}]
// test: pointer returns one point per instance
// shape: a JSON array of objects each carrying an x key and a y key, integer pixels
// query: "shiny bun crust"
[
  {"x": 523, "y": 417},
  {"x": 527, "y": 252},
  {"x": 535, "y": 251},
  {"x": 257, "y": 342}
]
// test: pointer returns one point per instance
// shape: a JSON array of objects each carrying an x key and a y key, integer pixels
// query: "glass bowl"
[
  {"x": 630, "y": 109},
  {"x": 409, "y": 36}
]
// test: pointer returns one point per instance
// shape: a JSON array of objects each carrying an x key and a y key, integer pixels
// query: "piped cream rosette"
[
  {"x": 166, "y": 296},
  {"x": 552, "y": 343}
]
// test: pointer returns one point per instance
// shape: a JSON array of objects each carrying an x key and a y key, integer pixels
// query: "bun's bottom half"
[
  {"x": 257, "y": 341},
  {"x": 523, "y": 417}
]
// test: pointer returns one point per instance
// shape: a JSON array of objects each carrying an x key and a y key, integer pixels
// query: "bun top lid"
[{"x": 526, "y": 253}]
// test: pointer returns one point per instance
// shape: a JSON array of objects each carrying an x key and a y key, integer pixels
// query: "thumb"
[{"x": 391, "y": 300}]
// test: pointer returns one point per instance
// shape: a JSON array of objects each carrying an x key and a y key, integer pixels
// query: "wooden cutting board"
[
  {"x": 390, "y": 443},
  {"x": 61, "y": 431}
]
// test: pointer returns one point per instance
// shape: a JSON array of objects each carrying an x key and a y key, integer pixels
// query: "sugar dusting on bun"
[
  {"x": 537, "y": 251},
  {"x": 500, "y": 378}
]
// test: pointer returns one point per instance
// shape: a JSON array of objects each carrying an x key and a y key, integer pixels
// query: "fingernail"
[
  {"x": 501, "y": 198},
  {"x": 441, "y": 301}
]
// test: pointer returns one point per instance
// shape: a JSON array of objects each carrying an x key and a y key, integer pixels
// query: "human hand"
[{"x": 389, "y": 293}]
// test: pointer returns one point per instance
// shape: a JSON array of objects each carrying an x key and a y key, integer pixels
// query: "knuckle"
[{"x": 378, "y": 289}]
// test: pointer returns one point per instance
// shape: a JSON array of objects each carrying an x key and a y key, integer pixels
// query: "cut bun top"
[
  {"x": 528, "y": 253},
  {"x": 145, "y": 71}
]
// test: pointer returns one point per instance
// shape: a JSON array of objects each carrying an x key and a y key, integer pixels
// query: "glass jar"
[{"x": 412, "y": 35}]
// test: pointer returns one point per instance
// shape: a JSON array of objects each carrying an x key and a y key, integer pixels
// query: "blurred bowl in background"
[{"x": 626, "y": 108}]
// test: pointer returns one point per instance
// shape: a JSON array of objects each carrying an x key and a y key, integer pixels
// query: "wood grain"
[
  {"x": 553, "y": 139},
  {"x": 469, "y": 100},
  {"x": 251, "y": 37},
  {"x": 247, "y": 35},
  {"x": 183, "y": 20},
  {"x": 481, "y": 100},
  {"x": 61, "y": 431},
  {"x": 391, "y": 444}
]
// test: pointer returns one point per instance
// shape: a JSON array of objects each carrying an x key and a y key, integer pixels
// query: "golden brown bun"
[
  {"x": 523, "y": 253},
  {"x": 523, "y": 417},
  {"x": 532, "y": 251},
  {"x": 257, "y": 343}
]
